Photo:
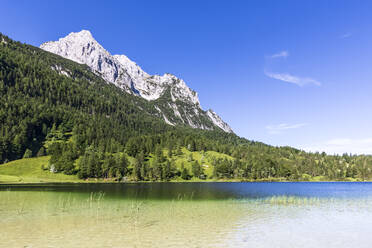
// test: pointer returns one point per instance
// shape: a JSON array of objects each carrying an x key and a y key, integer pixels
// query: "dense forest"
[{"x": 53, "y": 106}]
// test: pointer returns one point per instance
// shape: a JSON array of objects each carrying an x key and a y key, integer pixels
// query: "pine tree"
[
  {"x": 27, "y": 154},
  {"x": 184, "y": 172},
  {"x": 144, "y": 171},
  {"x": 122, "y": 164},
  {"x": 159, "y": 154},
  {"x": 41, "y": 152},
  {"x": 196, "y": 169},
  {"x": 136, "y": 172},
  {"x": 156, "y": 170},
  {"x": 167, "y": 170}
]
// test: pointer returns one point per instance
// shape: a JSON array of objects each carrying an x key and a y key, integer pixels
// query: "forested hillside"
[{"x": 53, "y": 106}]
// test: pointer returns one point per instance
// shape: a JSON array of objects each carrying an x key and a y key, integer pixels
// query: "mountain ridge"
[{"x": 183, "y": 105}]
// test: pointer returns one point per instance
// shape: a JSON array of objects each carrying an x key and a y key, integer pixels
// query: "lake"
[{"x": 186, "y": 215}]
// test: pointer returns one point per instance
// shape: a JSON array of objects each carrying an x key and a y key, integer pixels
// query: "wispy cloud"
[
  {"x": 343, "y": 145},
  {"x": 276, "y": 129},
  {"x": 346, "y": 35},
  {"x": 282, "y": 54},
  {"x": 286, "y": 77}
]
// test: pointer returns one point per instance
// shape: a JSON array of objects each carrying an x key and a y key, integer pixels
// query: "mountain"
[
  {"x": 173, "y": 100},
  {"x": 45, "y": 97},
  {"x": 50, "y": 105}
]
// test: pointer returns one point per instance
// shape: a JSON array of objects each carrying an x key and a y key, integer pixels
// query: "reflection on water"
[
  {"x": 206, "y": 191},
  {"x": 187, "y": 215}
]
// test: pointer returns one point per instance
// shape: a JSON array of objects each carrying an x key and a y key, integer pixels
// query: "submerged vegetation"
[
  {"x": 65, "y": 215},
  {"x": 55, "y": 215},
  {"x": 91, "y": 129}
]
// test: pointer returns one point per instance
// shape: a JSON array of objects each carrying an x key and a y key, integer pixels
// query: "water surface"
[{"x": 186, "y": 215}]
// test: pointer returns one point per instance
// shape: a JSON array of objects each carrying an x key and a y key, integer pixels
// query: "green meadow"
[{"x": 32, "y": 170}]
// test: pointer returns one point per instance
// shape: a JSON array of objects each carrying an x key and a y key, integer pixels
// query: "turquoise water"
[{"x": 186, "y": 215}]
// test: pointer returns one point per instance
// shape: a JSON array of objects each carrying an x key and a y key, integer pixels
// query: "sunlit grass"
[{"x": 29, "y": 170}]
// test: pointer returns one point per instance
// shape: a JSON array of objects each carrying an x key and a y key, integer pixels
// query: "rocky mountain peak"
[{"x": 184, "y": 104}]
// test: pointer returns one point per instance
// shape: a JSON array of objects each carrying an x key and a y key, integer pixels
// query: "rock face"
[
  {"x": 174, "y": 101},
  {"x": 218, "y": 121}
]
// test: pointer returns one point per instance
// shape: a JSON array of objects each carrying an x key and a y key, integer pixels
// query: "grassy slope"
[{"x": 29, "y": 170}]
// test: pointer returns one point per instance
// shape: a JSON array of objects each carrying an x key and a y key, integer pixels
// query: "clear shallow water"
[{"x": 186, "y": 215}]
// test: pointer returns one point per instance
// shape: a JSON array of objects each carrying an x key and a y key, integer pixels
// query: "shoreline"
[
  {"x": 31, "y": 171},
  {"x": 176, "y": 181}
]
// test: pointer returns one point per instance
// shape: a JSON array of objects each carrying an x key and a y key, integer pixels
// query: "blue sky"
[{"x": 292, "y": 73}]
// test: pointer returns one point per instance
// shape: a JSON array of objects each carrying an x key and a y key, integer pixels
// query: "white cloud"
[
  {"x": 343, "y": 145},
  {"x": 346, "y": 35},
  {"x": 276, "y": 129},
  {"x": 282, "y": 54},
  {"x": 286, "y": 77}
]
